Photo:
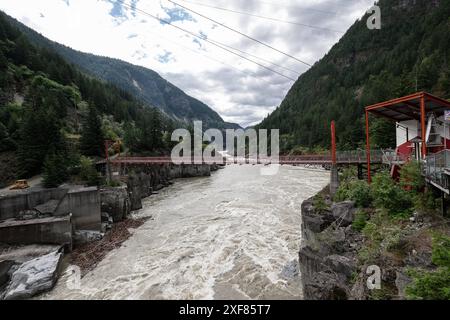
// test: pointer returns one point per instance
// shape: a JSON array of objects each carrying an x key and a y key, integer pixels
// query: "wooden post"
[{"x": 369, "y": 177}]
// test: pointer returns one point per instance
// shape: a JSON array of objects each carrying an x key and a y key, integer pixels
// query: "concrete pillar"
[{"x": 334, "y": 180}]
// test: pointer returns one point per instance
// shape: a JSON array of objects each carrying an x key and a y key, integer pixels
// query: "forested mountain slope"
[
  {"x": 51, "y": 111},
  {"x": 410, "y": 53},
  {"x": 142, "y": 83}
]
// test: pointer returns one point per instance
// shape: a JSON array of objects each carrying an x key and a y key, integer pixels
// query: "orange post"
[
  {"x": 369, "y": 177},
  {"x": 333, "y": 143},
  {"x": 423, "y": 127}
]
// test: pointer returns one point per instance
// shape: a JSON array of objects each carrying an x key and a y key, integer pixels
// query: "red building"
[{"x": 422, "y": 127}]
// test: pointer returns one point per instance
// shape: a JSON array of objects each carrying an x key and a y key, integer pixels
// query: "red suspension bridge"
[{"x": 342, "y": 158}]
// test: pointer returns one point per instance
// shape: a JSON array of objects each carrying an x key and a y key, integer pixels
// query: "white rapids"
[{"x": 234, "y": 235}]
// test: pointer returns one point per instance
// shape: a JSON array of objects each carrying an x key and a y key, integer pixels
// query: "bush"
[
  {"x": 319, "y": 204},
  {"x": 55, "y": 170},
  {"x": 429, "y": 285},
  {"x": 441, "y": 251},
  {"x": 433, "y": 285},
  {"x": 88, "y": 172},
  {"x": 360, "y": 220},
  {"x": 411, "y": 177},
  {"x": 355, "y": 190},
  {"x": 427, "y": 202},
  {"x": 388, "y": 195}
]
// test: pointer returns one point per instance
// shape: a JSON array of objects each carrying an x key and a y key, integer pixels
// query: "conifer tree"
[{"x": 92, "y": 140}]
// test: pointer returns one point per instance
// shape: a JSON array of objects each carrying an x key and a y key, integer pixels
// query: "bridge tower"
[{"x": 334, "y": 175}]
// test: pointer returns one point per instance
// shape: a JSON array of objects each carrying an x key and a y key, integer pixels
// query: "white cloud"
[{"x": 225, "y": 82}]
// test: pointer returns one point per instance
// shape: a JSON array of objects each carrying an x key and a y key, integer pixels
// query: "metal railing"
[{"x": 435, "y": 166}]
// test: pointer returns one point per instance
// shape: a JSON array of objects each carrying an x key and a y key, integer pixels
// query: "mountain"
[
  {"x": 51, "y": 112},
  {"x": 410, "y": 53},
  {"x": 144, "y": 84}
]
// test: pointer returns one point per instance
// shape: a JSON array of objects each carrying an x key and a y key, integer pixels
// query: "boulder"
[
  {"x": 116, "y": 202},
  {"x": 343, "y": 212},
  {"x": 47, "y": 208},
  {"x": 5, "y": 267},
  {"x": 86, "y": 236},
  {"x": 401, "y": 282},
  {"x": 341, "y": 264},
  {"x": 34, "y": 276},
  {"x": 324, "y": 286}
]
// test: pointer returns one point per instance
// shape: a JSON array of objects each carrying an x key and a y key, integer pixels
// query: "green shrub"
[
  {"x": 411, "y": 177},
  {"x": 433, "y": 285},
  {"x": 88, "y": 173},
  {"x": 354, "y": 190},
  {"x": 360, "y": 193},
  {"x": 441, "y": 250},
  {"x": 390, "y": 196},
  {"x": 426, "y": 202},
  {"x": 319, "y": 204},
  {"x": 360, "y": 220}
]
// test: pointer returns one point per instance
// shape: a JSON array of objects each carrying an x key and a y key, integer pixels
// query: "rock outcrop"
[
  {"x": 116, "y": 202},
  {"x": 327, "y": 261},
  {"x": 330, "y": 259}
]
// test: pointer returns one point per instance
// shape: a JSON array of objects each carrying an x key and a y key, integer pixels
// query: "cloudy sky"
[{"x": 239, "y": 90}]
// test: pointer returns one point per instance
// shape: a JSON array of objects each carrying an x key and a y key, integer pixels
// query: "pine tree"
[
  {"x": 55, "y": 169},
  {"x": 156, "y": 130},
  {"x": 39, "y": 133},
  {"x": 92, "y": 140}
]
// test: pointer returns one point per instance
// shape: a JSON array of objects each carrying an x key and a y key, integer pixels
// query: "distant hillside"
[
  {"x": 51, "y": 112},
  {"x": 143, "y": 83},
  {"x": 410, "y": 53}
]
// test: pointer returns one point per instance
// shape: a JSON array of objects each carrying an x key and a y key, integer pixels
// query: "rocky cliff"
[
  {"x": 332, "y": 261},
  {"x": 141, "y": 182}
]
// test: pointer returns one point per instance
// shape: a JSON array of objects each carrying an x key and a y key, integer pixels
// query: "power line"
[
  {"x": 198, "y": 52},
  {"x": 204, "y": 39},
  {"x": 297, "y": 7},
  {"x": 263, "y": 17},
  {"x": 241, "y": 33},
  {"x": 262, "y": 59}
]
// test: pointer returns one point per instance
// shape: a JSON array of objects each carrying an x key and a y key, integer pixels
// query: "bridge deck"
[{"x": 353, "y": 157}]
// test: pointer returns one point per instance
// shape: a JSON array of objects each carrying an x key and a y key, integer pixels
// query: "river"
[{"x": 234, "y": 235}]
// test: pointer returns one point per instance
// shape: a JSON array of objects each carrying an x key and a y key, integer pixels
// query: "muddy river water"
[{"x": 234, "y": 235}]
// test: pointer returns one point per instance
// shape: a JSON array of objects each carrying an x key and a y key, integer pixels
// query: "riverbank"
[{"x": 344, "y": 245}]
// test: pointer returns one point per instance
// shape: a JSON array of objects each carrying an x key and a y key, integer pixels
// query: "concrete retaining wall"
[
  {"x": 54, "y": 230},
  {"x": 84, "y": 204},
  {"x": 11, "y": 205}
]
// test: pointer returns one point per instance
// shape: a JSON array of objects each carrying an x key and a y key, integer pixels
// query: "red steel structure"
[
  {"x": 333, "y": 143},
  {"x": 412, "y": 107}
]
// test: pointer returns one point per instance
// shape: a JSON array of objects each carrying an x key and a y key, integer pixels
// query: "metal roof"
[{"x": 408, "y": 107}]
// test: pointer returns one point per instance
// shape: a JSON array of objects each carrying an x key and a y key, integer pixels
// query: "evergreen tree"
[
  {"x": 39, "y": 134},
  {"x": 55, "y": 170},
  {"x": 156, "y": 130},
  {"x": 92, "y": 140}
]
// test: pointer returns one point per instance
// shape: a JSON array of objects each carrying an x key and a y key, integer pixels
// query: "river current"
[{"x": 234, "y": 235}]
